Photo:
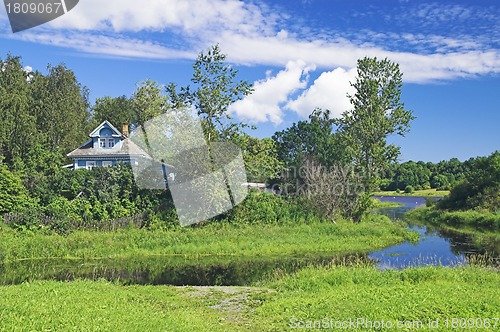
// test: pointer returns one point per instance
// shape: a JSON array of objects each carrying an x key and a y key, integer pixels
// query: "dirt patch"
[{"x": 234, "y": 302}]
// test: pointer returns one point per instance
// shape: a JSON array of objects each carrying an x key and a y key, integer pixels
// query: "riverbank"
[
  {"x": 425, "y": 193},
  {"x": 310, "y": 297},
  {"x": 377, "y": 204},
  {"x": 484, "y": 220},
  {"x": 216, "y": 239}
]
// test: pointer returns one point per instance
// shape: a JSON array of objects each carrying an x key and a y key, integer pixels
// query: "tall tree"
[
  {"x": 148, "y": 102},
  {"x": 377, "y": 112},
  {"x": 260, "y": 157},
  {"x": 62, "y": 108},
  {"x": 116, "y": 110},
  {"x": 215, "y": 89},
  {"x": 17, "y": 127},
  {"x": 312, "y": 138}
]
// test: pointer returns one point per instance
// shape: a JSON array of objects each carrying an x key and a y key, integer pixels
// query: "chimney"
[{"x": 125, "y": 129}]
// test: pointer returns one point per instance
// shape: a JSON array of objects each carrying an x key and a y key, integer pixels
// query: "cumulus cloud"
[
  {"x": 265, "y": 103},
  {"x": 329, "y": 91}
]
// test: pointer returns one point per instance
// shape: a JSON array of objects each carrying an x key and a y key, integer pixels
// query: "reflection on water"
[
  {"x": 435, "y": 247},
  {"x": 169, "y": 270}
]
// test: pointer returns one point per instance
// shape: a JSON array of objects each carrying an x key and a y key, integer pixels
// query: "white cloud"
[
  {"x": 253, "y": 34},
  {"x": 107, "y": 45},
  {"x": 190, "y": 16},
  {"x": 329, "y": 91},
  {"x": 265, "y": 103},
  {"x": 417, "y": 68}
]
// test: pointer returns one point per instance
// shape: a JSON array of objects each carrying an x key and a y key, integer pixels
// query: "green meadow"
[{"x": 314, "y": 297}]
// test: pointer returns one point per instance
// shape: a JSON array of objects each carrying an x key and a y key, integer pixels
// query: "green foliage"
[
  {"x": 216, "y": 88},
  {"x": 302, "y": 235},
  {"x": 312, "y": 138},
  {"x": 116, "y": 110},
  {"x": 420, "y": 175},
  {"x": 148, "y": 102},
  {"x": 13, "y": 195},
  {"x": 480, "y": 189},
  {"x": 271, "y": 209},
  {"x": 409, "y": 189},
  {"x": 17, "y": 127},
  {"x": 377, "y": 113},
  {"x": 474, "y": 218},
  {"x": 84, "y": 305},
  {"x": 61, "y": 106},
  {"x": 105, "y": 197},
  {"x": 314, "y": 295},
  {"x": 365, "y": 293},
  {"x": 259, "y": 156}
]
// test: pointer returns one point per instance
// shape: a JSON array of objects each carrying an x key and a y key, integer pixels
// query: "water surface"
[{"x": 435, "y": 247}]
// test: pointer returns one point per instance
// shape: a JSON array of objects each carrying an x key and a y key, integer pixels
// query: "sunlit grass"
[
  {"x": 425, "y": 192},
  {"x": 315, "y": 293},
  {"x": 211, "y": 240},
  {"x": 413, "y": 294}
]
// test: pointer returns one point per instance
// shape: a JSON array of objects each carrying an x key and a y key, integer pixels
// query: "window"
[
  {"x": 111, "y": 142},
  {"x": 107, "y": 163},
  {"x": 89, "y": 165},
  {"x": 102, "y": 142}
]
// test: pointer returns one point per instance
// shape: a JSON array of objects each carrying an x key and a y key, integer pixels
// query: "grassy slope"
[
  {"x": 211, "y": 240},
  {"x": 341, "y": 293}
]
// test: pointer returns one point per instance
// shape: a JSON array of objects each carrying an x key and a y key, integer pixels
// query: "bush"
[
  {"x": 409, "y": 189},
  {"x": 479, "y": 190},
  {"x": 267, "y": 208},
  {"x": 13, "y": 195}
]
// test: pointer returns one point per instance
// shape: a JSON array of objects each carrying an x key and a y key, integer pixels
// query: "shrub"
[
  {"x": 409, "y": 189},
  {"x": 267, "y": 208}
]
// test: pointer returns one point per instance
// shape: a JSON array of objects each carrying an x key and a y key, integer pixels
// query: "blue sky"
[{"x": 299, "y": 55}]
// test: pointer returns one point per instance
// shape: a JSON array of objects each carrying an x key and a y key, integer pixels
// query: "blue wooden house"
[{"x": 106, "y": 147}]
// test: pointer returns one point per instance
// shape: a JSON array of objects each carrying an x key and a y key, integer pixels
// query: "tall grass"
[
  {"x": 410, "y": 295},
  {"x": 217, "y": 239}
]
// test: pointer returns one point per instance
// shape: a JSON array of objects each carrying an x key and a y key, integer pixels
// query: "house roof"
[
  {"x": 95, "y": 132},
  {"x": 126, "y": 148}
]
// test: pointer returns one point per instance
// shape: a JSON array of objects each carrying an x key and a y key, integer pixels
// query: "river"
[{"x": 436, "y": 246}]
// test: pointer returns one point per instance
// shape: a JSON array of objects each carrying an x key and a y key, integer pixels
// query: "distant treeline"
[{"x": 427, "y": 175}]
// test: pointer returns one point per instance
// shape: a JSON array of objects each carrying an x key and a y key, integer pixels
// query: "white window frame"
[
  {"x": 111, "y": 142},
  {"x": 102, "y": 143},
  {"x": 90, "y": 164},
  {"x": 107, "y": 163}
]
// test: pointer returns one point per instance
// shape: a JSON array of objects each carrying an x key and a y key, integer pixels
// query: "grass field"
[
  {"x": 312, "y": 297},
  {"x": 426, "y": 192}
]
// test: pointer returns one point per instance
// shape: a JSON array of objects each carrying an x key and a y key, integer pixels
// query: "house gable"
[
  {"x": 106, "y": 147},
  {"x": 105, "y": 136}
]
